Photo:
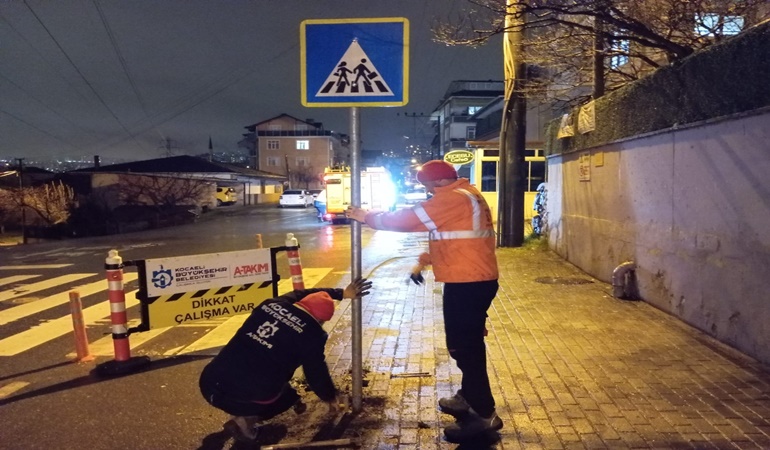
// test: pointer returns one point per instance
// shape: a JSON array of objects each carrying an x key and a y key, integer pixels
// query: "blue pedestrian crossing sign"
[{"x": 355, "y": 62}]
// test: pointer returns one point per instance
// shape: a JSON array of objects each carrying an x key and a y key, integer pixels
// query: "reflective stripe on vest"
[{"x": 435, "y": 235}]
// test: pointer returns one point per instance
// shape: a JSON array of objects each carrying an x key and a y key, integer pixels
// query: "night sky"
[{"x": 118, "y": 78}]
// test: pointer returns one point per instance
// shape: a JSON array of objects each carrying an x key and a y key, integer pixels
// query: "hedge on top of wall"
[{"x": 724, "y": 79}]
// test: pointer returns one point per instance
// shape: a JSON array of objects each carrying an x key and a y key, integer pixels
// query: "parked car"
[
  {"x": 296, "y": 197},
  {"x": 415, "y": 195},
  {"x": 226, "y": 196}
]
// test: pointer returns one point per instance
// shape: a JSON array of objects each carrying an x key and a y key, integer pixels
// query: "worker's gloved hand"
[
  {"x": 356, "y": 214},
  {"x": 357, "y": 288},
  {"x": 417, "y": 278},
  {"x": 416, "y": 275}
]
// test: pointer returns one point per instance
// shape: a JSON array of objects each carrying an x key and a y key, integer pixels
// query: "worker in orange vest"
[{"x": 462, "y": 252}]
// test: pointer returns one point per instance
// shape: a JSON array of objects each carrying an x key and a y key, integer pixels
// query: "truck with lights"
[{"x": 377, "y": 191}]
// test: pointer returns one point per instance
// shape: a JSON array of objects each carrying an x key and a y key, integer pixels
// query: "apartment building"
[
  {"x": 298, "y": 149},
  {"x": 453, "y": 117}
]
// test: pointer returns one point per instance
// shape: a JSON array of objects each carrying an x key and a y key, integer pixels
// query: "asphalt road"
[{"x": 48, "y": 401}]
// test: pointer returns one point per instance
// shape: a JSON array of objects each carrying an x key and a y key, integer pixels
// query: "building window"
[
  {"x": 488, "y": 176},
  {"x": 303, "y": 162},
  {"x": 619, "y": 50},
  {"x": 470, "y": 133},
  {"x": 535, "y": 175},
  {"x": 473, "y": 110},
  {"x": 717, "y": 24},
  {"x": 273, "y": 161},
  {"x": 273, "y": 144},
  {"x": 276, "y": 127},
  {"x": 303, "y": 145}
]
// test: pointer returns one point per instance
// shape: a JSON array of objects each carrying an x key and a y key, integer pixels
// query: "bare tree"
[
  {"x": 163, "y": 192},
  {"x": 636, "y": 36},
  {"x": 52, "y": 202},
  {"x": 7, "y": 205},
  {"x": 305, "y": 175}
]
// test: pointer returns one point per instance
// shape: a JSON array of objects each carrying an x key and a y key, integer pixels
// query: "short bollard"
[
  {"x": 295, "y": 265},
  {"x": 79, "y": 329}
]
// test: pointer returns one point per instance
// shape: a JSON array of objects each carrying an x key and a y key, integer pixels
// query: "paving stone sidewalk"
[{"x": 570, "y": 366}]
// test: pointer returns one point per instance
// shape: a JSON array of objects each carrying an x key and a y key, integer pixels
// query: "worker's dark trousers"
[
  {"x": 465, "y": 315},
  {"x": 238, "y": 406}
]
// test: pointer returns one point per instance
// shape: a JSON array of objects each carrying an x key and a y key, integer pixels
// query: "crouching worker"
[{"x": 249, "y": 378}]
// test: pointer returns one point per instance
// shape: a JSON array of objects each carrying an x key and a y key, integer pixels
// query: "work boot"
[
  {"x": 472, "y": 426},
  {"x": 454, "y": 405},
  {"x": 243, "y": 428}
]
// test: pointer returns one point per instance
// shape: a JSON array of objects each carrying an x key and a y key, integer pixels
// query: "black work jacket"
[{"x": 273, "y": 342}]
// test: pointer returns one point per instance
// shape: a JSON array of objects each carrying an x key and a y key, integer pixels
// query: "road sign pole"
[{"x": 355, "y": 257}]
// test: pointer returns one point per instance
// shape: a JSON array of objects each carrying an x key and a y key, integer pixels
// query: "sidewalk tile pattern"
[{"x": 570, "y": 366}]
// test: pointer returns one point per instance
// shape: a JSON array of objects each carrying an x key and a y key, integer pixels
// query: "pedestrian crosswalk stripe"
[
  {"x": 12, "y": 387},
  {"x": 99, "y": 315},
  {"x": 104, "y": 346},
  {"x": 16, "y": 278},
  {"x": 27, "y": 309},
  {"x": 47, "y": 331},
  {"x": 355, "y": 75},
  {"x": 42, "y": 285}
]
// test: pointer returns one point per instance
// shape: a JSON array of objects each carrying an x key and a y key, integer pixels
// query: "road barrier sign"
[{"x": 200, "y": 287}]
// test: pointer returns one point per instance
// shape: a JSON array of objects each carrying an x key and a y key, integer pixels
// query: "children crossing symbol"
[{"x": 354, "y": 75}]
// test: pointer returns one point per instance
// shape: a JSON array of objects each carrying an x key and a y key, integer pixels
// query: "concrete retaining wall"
[{"x": 692, "y": 208}]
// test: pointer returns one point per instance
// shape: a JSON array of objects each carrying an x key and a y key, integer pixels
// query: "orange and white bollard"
[
  {"x": 295, "y": 266},
  {"x": 79, "y": 328},
  {"x": 259, "y": 240},
  {"x": 123, "y": 362},
  {"x": 118, "y": 316}
]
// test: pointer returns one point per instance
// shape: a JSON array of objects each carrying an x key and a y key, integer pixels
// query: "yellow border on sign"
[{"x": 303, "y": 58}]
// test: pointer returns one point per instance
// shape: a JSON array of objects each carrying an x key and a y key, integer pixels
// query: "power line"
[
  {"x": 119, "y": 54},
  {"x": 85, "y": 80},
  {"x": 11, "y": 82},
  {"x": 53, "y": 68},
  {"x": 183, "y": 101},
  {"x": 38, "y": 128}
]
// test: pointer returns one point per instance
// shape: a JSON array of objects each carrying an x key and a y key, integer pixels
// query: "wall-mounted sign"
[
  {"x": 459, "y": 157},
  {"x": 584, "y": 166}
]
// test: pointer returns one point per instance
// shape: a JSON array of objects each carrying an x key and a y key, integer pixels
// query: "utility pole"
[
  {"x": 288, "y": 172},
  {"x": 23, "y": 203},
  {"x": 510, "y": 216}
]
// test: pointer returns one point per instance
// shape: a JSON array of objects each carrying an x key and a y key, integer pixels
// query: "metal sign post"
[
  {"x": 355, "y": 259},
  {"x": 353, "y": 63}
]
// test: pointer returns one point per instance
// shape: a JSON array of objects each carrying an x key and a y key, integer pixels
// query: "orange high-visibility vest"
[{"x": 461, "y": 238}]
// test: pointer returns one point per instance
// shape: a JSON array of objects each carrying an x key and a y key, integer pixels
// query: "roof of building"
[
  {"x": 310, "y": 122},
  {"x": 475, "y": 88},
  {"x": 180, "y": 164}
]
